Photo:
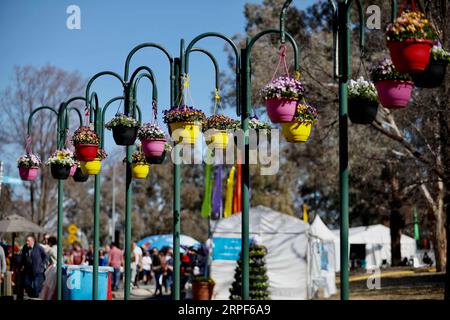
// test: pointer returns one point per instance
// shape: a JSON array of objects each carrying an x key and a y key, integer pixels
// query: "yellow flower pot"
[
  {"x": 296, "y": 132},
  {"x": 140, "y": 170},
  {"x": 218, "y": 138},
  {"x": 189, "y": 134},
  {"x": 91, "y": 167}
]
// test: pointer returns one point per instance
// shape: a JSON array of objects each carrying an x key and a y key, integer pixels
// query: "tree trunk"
[{"x": 396, "y": 220}]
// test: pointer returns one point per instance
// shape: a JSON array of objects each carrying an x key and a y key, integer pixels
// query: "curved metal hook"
[{"x": 214, "y": 61}]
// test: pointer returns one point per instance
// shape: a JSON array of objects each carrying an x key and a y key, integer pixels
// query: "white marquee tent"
[
  {"x": 321, "y": 231},
  {"x": 287, "y": 242},
  {"x": 377, "y": 241}
]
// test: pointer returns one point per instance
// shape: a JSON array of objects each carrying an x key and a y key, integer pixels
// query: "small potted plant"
[
  {"x": 28, "y": 165},
  {"x": 60, "y": 163},
  {"x": 124, "y": 129},
  {"x": 410, "y": 39},
  {"x": 434, "y": 74},
  {"x": 255, "y": 124},
  {"x": 86, "y": 143},
  {"x": 300, "y": 129},
  {"x": 161, "y": 158},
  {"x": 93, "y": 167},
  {"x": 153, "y": 139},
  {"x": 281, "y": 97},
  {"x": 184, "y": 122},
  {"x": 202, "y": 288},
  {"x": 394, "y": 88},
  {"x": 215, "y": 130},
  {"x": 362, "y": 101},
  {"x": 139, "y": 165},
  {"x": 79, "y": 176}
]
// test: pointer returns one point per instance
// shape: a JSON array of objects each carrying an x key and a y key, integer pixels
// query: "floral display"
[
  {"x": 122, "y": 120},
  {"x": 283, "y": 87},
  {"x": 101, "y": 154},
  {"x": 362, "y": 89},
  {"x": 439, "y": 54},
  {"x": 306, "y": 114},
  {"x": 183, "y": 114},
  {"x": 219, "y": 122},
  {"x": 385, "y": 70},
  {"x": 138, "y": 157},
  {"x": 29, "y": 161},
  {"x": 84, "y": 135},
  {"x": 62, "y": 157},
  {"x": 150, "y": 131},
  {"x": 410, "y": 25}
]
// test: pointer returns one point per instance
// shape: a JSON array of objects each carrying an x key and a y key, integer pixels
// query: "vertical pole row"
[
  {"x": 128, "y": 194},
  {"x": 177, "y": 188},
  {"x": 344, "y": 62},
  {"x": 246, "y": 92},
  {"x": 60, "y": 243},
  {"x": 96, "y": 237}
]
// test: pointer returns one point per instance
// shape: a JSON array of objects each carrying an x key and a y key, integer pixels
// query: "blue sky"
[{"x": 34, "y": 32}]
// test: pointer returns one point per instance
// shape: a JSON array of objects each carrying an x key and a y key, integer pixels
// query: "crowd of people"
[{"x": 31, "y": 263}]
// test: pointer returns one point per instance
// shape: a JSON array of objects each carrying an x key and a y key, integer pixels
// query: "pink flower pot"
[
  {"x": 394, "y": 94},
  {"x": 73, "y": 169},
  {"x": 28, "y": 174},
  {"x": 153, "y": 148},
  {"x": 281, "y": 110}
]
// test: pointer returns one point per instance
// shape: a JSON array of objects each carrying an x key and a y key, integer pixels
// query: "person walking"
[
  {"x": 34, "y": 260},
  {"x": 2, "y": 268},
  {"x": 115, "y": 260},
  {"x": 136, "y": 264},
  {"x": 77, "y": 255},
  {"x": 53, "y": 250},
  {"x": 147, "y": 267},
  {"x": 157, "y": 271}
]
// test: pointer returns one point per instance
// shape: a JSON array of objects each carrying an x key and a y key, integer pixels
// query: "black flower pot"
[
  {"x": 432, "y": 77},
  {"x": 60, "y": 172},
  {"x": 362, "y": 111},
  {"x": 79, "y": 176},
  {"x": 124, "y": 136},
  {"x": 156, "y": 160}
]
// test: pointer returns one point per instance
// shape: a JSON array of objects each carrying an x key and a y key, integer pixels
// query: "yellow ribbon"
[
  {"x": 229, "y": 194},
  {"x": 298, "y": 75}
]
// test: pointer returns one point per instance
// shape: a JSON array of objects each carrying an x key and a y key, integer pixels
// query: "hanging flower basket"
[
  {"x": 259, "y": 127},
  {"x": 215, "y": 130},
  {"x": 434, "y": 74},
  {"x": 28, "y": 165},
  {"x": 140, "y": 170},
  {"x": 124, "y": 129},
  {"x": 159, "y": 159},
  {"x": 139, "y": 165},
  {"x": 79, "y": 176},
  {"x": 86, "y": 143},
  {"x": 299, "y": 130},
  {"x": 185, "y": 123},
  {"x": 153, "y": 139},
  {"x": 410, "y": 39},
  {"x": 362, "y": 101},
  {"x": 281, "y": 97},
  {"x": 60, "y": 164},
  {"x": 93, "y": 167},
  {"x": 394, "y": 88}
]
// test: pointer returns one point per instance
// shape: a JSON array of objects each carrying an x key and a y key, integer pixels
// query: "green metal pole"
[
  {"x": 246, "y": 92},
  {"x": 177, "y": 190},
  {"x": 344, "y": 63},
  {"x": 128, "y": 198}
]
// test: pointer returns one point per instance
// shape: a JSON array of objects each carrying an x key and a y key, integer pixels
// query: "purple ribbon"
[{"x": 217, "y": 194}]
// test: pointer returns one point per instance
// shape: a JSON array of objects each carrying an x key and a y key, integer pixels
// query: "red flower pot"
[
  {"x": 28, "y": 174},
  {"x": 394, "y": 94},
  {"x": 86, "y": 152},
  {"x": 411, "y": 55},
  {"x": 281, "y": 110}
]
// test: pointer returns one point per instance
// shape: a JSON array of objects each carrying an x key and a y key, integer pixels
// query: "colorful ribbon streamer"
[
  {"x": 237, "y": 199},
  {"x": 229, "y": 194},
  {"x": 217, "y": 194},
  {"x": 206, "y": 205}
]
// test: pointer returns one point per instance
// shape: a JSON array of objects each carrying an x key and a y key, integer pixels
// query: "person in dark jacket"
[{"x": 34, "y": 259}]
